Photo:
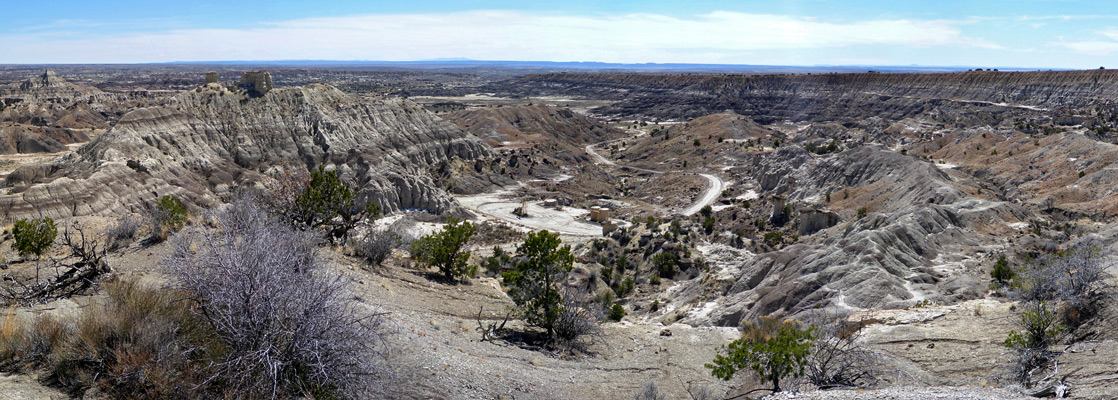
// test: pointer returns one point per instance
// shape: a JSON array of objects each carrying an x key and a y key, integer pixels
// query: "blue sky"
[{"x": 1024, "y": 33}]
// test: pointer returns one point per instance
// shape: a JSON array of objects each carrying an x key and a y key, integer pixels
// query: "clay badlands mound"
[{"x": 928, "y": 235}]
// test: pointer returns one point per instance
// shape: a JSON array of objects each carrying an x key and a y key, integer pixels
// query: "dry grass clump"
[
  {"x": 251, "y": 314},
  {"x": 140, "y": 343}
]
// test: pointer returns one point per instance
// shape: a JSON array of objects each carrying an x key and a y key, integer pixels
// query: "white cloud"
[
  {"x": 1111, "y": 33},
  {"x": 1092, "y": 47},
  {"x": 494, "y": 35},
  {"x": 1095, "y": 47}
]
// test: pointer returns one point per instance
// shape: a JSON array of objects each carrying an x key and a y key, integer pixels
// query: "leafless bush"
[
  {"x": 701, "y": 392},
  {"x": 122, "y": 232},
  {"x": 578, "y": 321},
  {"x": 649, "y": 392},
  {"x": 289, "y": 324},
  {"x": 405, "y": 229},
  {"x": 377, "y": 245},
  {"x": 1074, "y": 279},
  {"x": 837, "y": 359}
]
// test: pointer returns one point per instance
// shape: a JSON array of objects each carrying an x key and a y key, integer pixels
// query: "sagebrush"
[{"x": 289, "y": 324}]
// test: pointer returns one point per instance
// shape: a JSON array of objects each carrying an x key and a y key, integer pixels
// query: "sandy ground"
[{"x": 566, "y": 222}]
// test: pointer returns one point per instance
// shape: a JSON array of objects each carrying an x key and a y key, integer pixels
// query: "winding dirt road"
[{"x": 714, "y": 183}]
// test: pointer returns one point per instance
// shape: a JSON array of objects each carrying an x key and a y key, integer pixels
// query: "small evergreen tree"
[
  {"x": 34, "y": 236},
  {"x": 534, "y": 282},
  {"x": 773, "y": 349},
  {"x": 443, "y": 249},
  {"x": 1002, "y": 273},
  {"x": 321, "y": 200}
]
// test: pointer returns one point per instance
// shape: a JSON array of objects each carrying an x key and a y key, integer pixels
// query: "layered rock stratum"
[{"x": 205, "y": 142}]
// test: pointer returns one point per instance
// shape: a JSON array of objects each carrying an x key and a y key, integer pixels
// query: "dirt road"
[{"x": 714, "y": 185}]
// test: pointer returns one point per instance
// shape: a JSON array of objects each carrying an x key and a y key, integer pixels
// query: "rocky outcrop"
[
  {"x": 208, "y": 141},
  {"x": 558, "y": 132},
  {"x": 918, "y": 221},
  {"x": 768, "y": 98},
  {"x": 36, "y": 139}
]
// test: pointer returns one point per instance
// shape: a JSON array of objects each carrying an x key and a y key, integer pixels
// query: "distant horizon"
[
  {"x": 1018, "y": 34},
  {"x": 590, "y": 65}
]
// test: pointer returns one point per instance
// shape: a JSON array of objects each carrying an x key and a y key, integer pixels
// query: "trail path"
[{"x": 714, "y": 183}]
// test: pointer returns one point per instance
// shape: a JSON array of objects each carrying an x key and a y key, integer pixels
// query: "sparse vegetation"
[
  {"x": 838, "y": 358},
  {"x": 708, "y": 225},
  {"x": 1073, "y": 279},
  {"x": 320, "y": 201},
  {"x": 1040, "y": 329},
  {"x": 122, "y": 232}
]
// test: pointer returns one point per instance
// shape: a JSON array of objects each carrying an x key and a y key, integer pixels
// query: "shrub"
[
  {"x": 607, "y": 274},
  {"x": 443, "y": 249},
  {"x": 655, "y": 306},
  {"x": 654, "y": 279},
  {"x": 665, "y": 262},
  {"x": 34, "y": 236},
  {"x": 838, "y": 357},
  {"x": 616, "y": 313},
  {"x": 533, "y": 283},
  {"x": 288, "y": 325},
  {"x": 167, "y": 215},
  {"x": 140, "y": 343},
  {"x": 1002, "y": 273},
  {"x": 706, "y": 210},
  {"x": 862, "y": 212},
  {"x": 122, "y": 231},
  {"x": 649, "y": 392},
  {"x": 320, "y": 201},
  {"x": 377, "y": 245},
  {"x": 1074, "y": 279},
  {"x": 498, "y": 261},
  {"x": 708, "y": 225},
  {"x": 576, "y": 321},
  {"x": 1040, "y": 329},
  {"x": 773, "y": 349},
  {"x": 774, "y": 238},
  {"x": 625, "y": 286},
  {"x": 622, "y": 263}
]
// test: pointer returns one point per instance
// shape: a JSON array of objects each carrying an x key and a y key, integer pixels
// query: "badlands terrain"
[{"x": 885, "y": 199}]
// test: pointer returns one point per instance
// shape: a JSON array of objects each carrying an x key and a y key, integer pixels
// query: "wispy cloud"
[
  {"x": 713, "y": 37},
  {"x": 1095, "y": 47}
]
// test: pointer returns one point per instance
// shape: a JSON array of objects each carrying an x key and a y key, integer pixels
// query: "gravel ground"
[{"x": 905, "y": 393}]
